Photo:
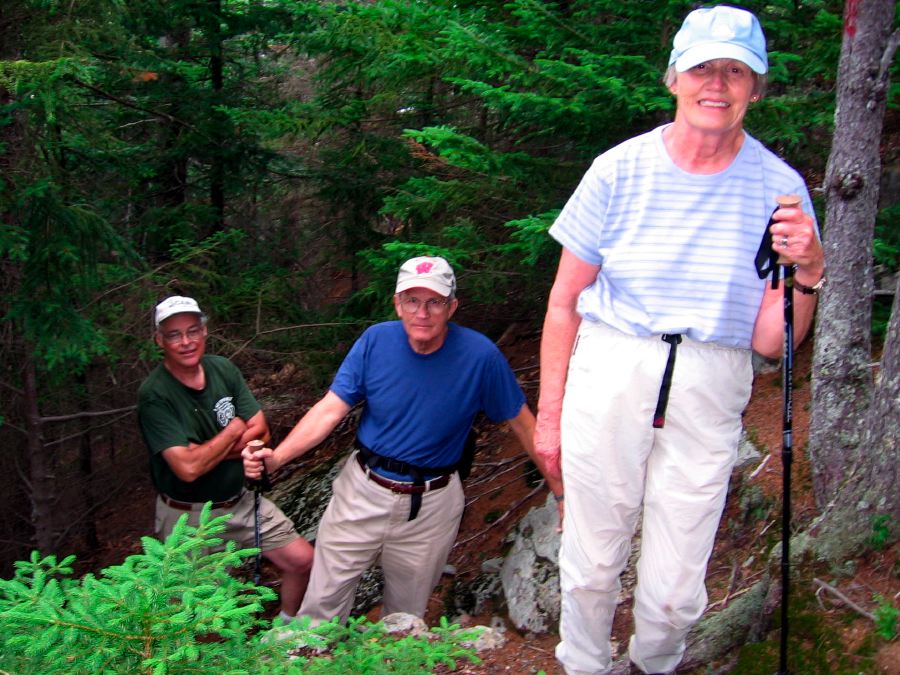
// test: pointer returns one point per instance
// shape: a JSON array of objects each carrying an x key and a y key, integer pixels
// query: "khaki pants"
[
  {"x": 364, "y": 521},
  {"x": 614, "y": 461}
]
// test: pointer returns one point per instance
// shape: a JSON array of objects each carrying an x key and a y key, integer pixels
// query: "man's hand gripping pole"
[{"x": 259, "y": 486}]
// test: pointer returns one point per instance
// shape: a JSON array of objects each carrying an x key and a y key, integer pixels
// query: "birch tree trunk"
[{"x": 851, "y": 447}]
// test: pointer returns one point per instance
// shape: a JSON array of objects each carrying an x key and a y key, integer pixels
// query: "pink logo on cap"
[{"x": 424, "y": 267}]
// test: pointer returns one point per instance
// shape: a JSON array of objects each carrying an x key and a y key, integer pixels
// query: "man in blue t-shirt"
[{"x": 421, "y": 380}]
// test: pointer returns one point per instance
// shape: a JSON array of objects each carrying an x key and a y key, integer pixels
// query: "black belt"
[
  {"x": 369, "y": 459},
  {"x": 191, "y": 506},
  {"x": 659, "y": 416},
  {"x": 401, "y": 487}
]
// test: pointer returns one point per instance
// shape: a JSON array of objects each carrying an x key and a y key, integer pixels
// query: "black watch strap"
[{"x": 810, "y": 290}]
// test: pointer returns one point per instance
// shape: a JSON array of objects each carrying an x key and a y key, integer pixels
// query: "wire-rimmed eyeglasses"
[
  {"x": 193, "y": 334},
  {"x": 411, "y": 304}
]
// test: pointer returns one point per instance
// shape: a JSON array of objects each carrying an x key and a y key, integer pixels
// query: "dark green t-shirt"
[{"x": 171, "y": 414}]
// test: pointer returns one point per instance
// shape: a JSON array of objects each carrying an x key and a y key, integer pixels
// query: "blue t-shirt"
[{"x": 419, "y": 407}]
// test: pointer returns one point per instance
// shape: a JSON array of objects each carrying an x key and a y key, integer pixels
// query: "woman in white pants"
[{"x": 645, "y": 356}]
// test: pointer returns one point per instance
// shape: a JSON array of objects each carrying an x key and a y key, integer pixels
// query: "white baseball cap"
[
  {"x": 428, "y": 272},
  {"x": 720, "y": 32},
  {"x": 176, "y": 304}
]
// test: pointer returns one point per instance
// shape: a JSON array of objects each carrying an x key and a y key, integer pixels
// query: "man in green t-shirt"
[{"x": 196, "y": 414}]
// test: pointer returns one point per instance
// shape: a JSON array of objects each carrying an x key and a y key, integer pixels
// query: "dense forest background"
[{"x": 278, "y": 159}]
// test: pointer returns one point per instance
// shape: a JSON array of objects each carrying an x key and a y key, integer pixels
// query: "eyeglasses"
[
  {"x": 193, "y": 334},
  {"x": 411, "y": 305}
]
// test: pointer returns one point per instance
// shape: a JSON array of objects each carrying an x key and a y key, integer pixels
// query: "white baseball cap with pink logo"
[{"x": 428, "y": 272}]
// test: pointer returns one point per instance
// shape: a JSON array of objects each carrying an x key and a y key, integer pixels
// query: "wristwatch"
[{"x": 810, "y": 290}]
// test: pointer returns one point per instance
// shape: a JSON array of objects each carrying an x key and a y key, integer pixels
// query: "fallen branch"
[
  {"x": 763, "y": 531},
  {"x": 88, "y": 430},
  {"x": 80, "y": 415},
  {"x": 733, "y": 596},
  {"x": 503, "y": 462},
  {"x": 517, "y": 462},
  {"x": 823, "y": 586},
  {"x": 538, "y": 649},
  {"x": 766, "y": 528},
  {"x": 281, "y": 329},
  {"x": 732, "y": 582},
  {"x": 493, "y": 489},
  {"x": 499, "y": 520},
  {"x": 730, "y": 594},
  {"x": 761, "y": 466}
]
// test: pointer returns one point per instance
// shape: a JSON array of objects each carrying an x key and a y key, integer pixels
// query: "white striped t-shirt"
[{"x": 677, "y": 249}]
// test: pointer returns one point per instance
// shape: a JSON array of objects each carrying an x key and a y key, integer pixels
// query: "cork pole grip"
[{"x": 787, "y": 202}]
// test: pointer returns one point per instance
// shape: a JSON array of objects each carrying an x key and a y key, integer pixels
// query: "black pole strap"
[
  {"x": 766, "y": 257},
  {"x": 659, "y": 416}
]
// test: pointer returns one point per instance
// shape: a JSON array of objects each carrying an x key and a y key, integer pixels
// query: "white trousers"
[
  {"x": 614, "y": 461},
  {"x": 363, "y": 521}
]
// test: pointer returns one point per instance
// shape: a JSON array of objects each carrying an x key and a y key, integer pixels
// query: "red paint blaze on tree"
[{"x": 850, "y": 17}]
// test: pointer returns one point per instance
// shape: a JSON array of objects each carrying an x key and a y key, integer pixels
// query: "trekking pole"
[
  {"x": 787, "y": 451},
  {"x": 258, "y": 487}
]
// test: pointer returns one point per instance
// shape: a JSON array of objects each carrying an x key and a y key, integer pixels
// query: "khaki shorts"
[{"x": 276, "y": 529}]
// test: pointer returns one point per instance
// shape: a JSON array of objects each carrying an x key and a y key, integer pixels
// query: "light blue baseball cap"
[{"x": 720, "y": 32}]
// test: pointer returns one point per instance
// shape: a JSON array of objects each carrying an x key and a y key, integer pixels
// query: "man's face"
[
  {"x": 183, "y": 340},
  {"x": 425, "y": 315}
]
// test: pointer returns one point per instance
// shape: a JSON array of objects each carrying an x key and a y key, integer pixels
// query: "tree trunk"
[
  {"x": 86, "y": 469},
  {"x": 842, "y": 373},
  {"x": 870, "y": 490},
  {"x": 39, "y": 472},
  {"x": 217, "y": 160}
]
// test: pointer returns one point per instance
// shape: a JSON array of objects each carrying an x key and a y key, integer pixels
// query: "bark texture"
[
  {"x": 870, "y": 489},
  {"x": 842, "y": 371}
]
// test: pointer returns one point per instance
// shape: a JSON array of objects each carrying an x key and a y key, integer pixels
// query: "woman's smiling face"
[{"x": 713, "y": 96}]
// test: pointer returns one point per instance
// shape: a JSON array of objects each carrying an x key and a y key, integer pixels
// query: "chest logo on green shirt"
[{"x": 224, "y": 410}]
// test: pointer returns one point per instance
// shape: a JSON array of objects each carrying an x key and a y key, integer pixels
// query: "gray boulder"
[{"x": 530, "y": 573}]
